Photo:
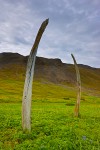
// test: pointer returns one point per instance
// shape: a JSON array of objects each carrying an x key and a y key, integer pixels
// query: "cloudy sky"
[{"x": 74, "y": 27}]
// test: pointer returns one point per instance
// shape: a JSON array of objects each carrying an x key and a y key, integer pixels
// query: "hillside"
[{"x": 13, "y": 66}]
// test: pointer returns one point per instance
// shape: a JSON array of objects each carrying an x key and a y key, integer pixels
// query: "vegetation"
[{"x": 54, "y": 126}]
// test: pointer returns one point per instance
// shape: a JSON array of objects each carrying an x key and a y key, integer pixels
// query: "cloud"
[{"x": 74, "y": 27}]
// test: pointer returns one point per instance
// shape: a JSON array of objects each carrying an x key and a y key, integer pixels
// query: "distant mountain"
[
  {"x": 10, "y": 58},
  {"x": 49, "y": 70}
]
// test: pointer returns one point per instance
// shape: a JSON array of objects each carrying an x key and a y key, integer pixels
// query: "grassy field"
[{"x": 54, "y": 126}]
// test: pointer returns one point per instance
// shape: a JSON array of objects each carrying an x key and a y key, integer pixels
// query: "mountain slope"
[{"x": 13, "y": 65}]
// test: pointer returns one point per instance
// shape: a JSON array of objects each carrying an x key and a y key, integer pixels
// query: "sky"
[{"x": 74, "y": 27}]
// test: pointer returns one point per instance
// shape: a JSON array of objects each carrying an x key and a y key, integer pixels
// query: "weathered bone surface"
[
  {"x": 76, "y": 113},
  {"x": 27, "y": 92}
]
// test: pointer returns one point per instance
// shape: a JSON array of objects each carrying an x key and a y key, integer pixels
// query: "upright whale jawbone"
[
  {"x": 77, "y": 106},
  {"x": 27, "y": 92}
]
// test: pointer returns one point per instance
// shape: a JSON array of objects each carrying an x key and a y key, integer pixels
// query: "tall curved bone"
[
  {"x": 77, "y": 106},
  {"x": 27, "y": 92}
]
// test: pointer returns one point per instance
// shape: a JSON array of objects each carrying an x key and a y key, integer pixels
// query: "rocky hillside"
[{"x": 48, "y": 70}]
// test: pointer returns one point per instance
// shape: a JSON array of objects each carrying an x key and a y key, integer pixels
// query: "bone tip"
[
  {"x": 47, "y": 21},
  {"x": 71, "y": 54}
]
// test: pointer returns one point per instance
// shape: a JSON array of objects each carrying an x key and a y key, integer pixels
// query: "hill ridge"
[
  {"x": 4, "y": 55},
  {"x": 13, "y": 65}
]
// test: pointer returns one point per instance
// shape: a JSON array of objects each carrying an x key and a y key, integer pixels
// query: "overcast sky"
[{"x": 74, "y": 27}]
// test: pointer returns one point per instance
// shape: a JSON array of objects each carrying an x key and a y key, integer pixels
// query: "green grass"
[{"x": 54, "y": 126}]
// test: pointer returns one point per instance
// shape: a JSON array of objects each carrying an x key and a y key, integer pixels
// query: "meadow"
[{"x": 54, "y": 126}]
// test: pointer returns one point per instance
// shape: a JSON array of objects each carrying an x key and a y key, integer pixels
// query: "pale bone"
[
  {"x": 77, "y": 106},
  {"x": 27, "y": 92}
]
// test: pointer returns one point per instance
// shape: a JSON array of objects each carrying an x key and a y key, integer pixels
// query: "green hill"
[
  {"x": 54, "y": 126},
  {"x": 52, "y": 79}
]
